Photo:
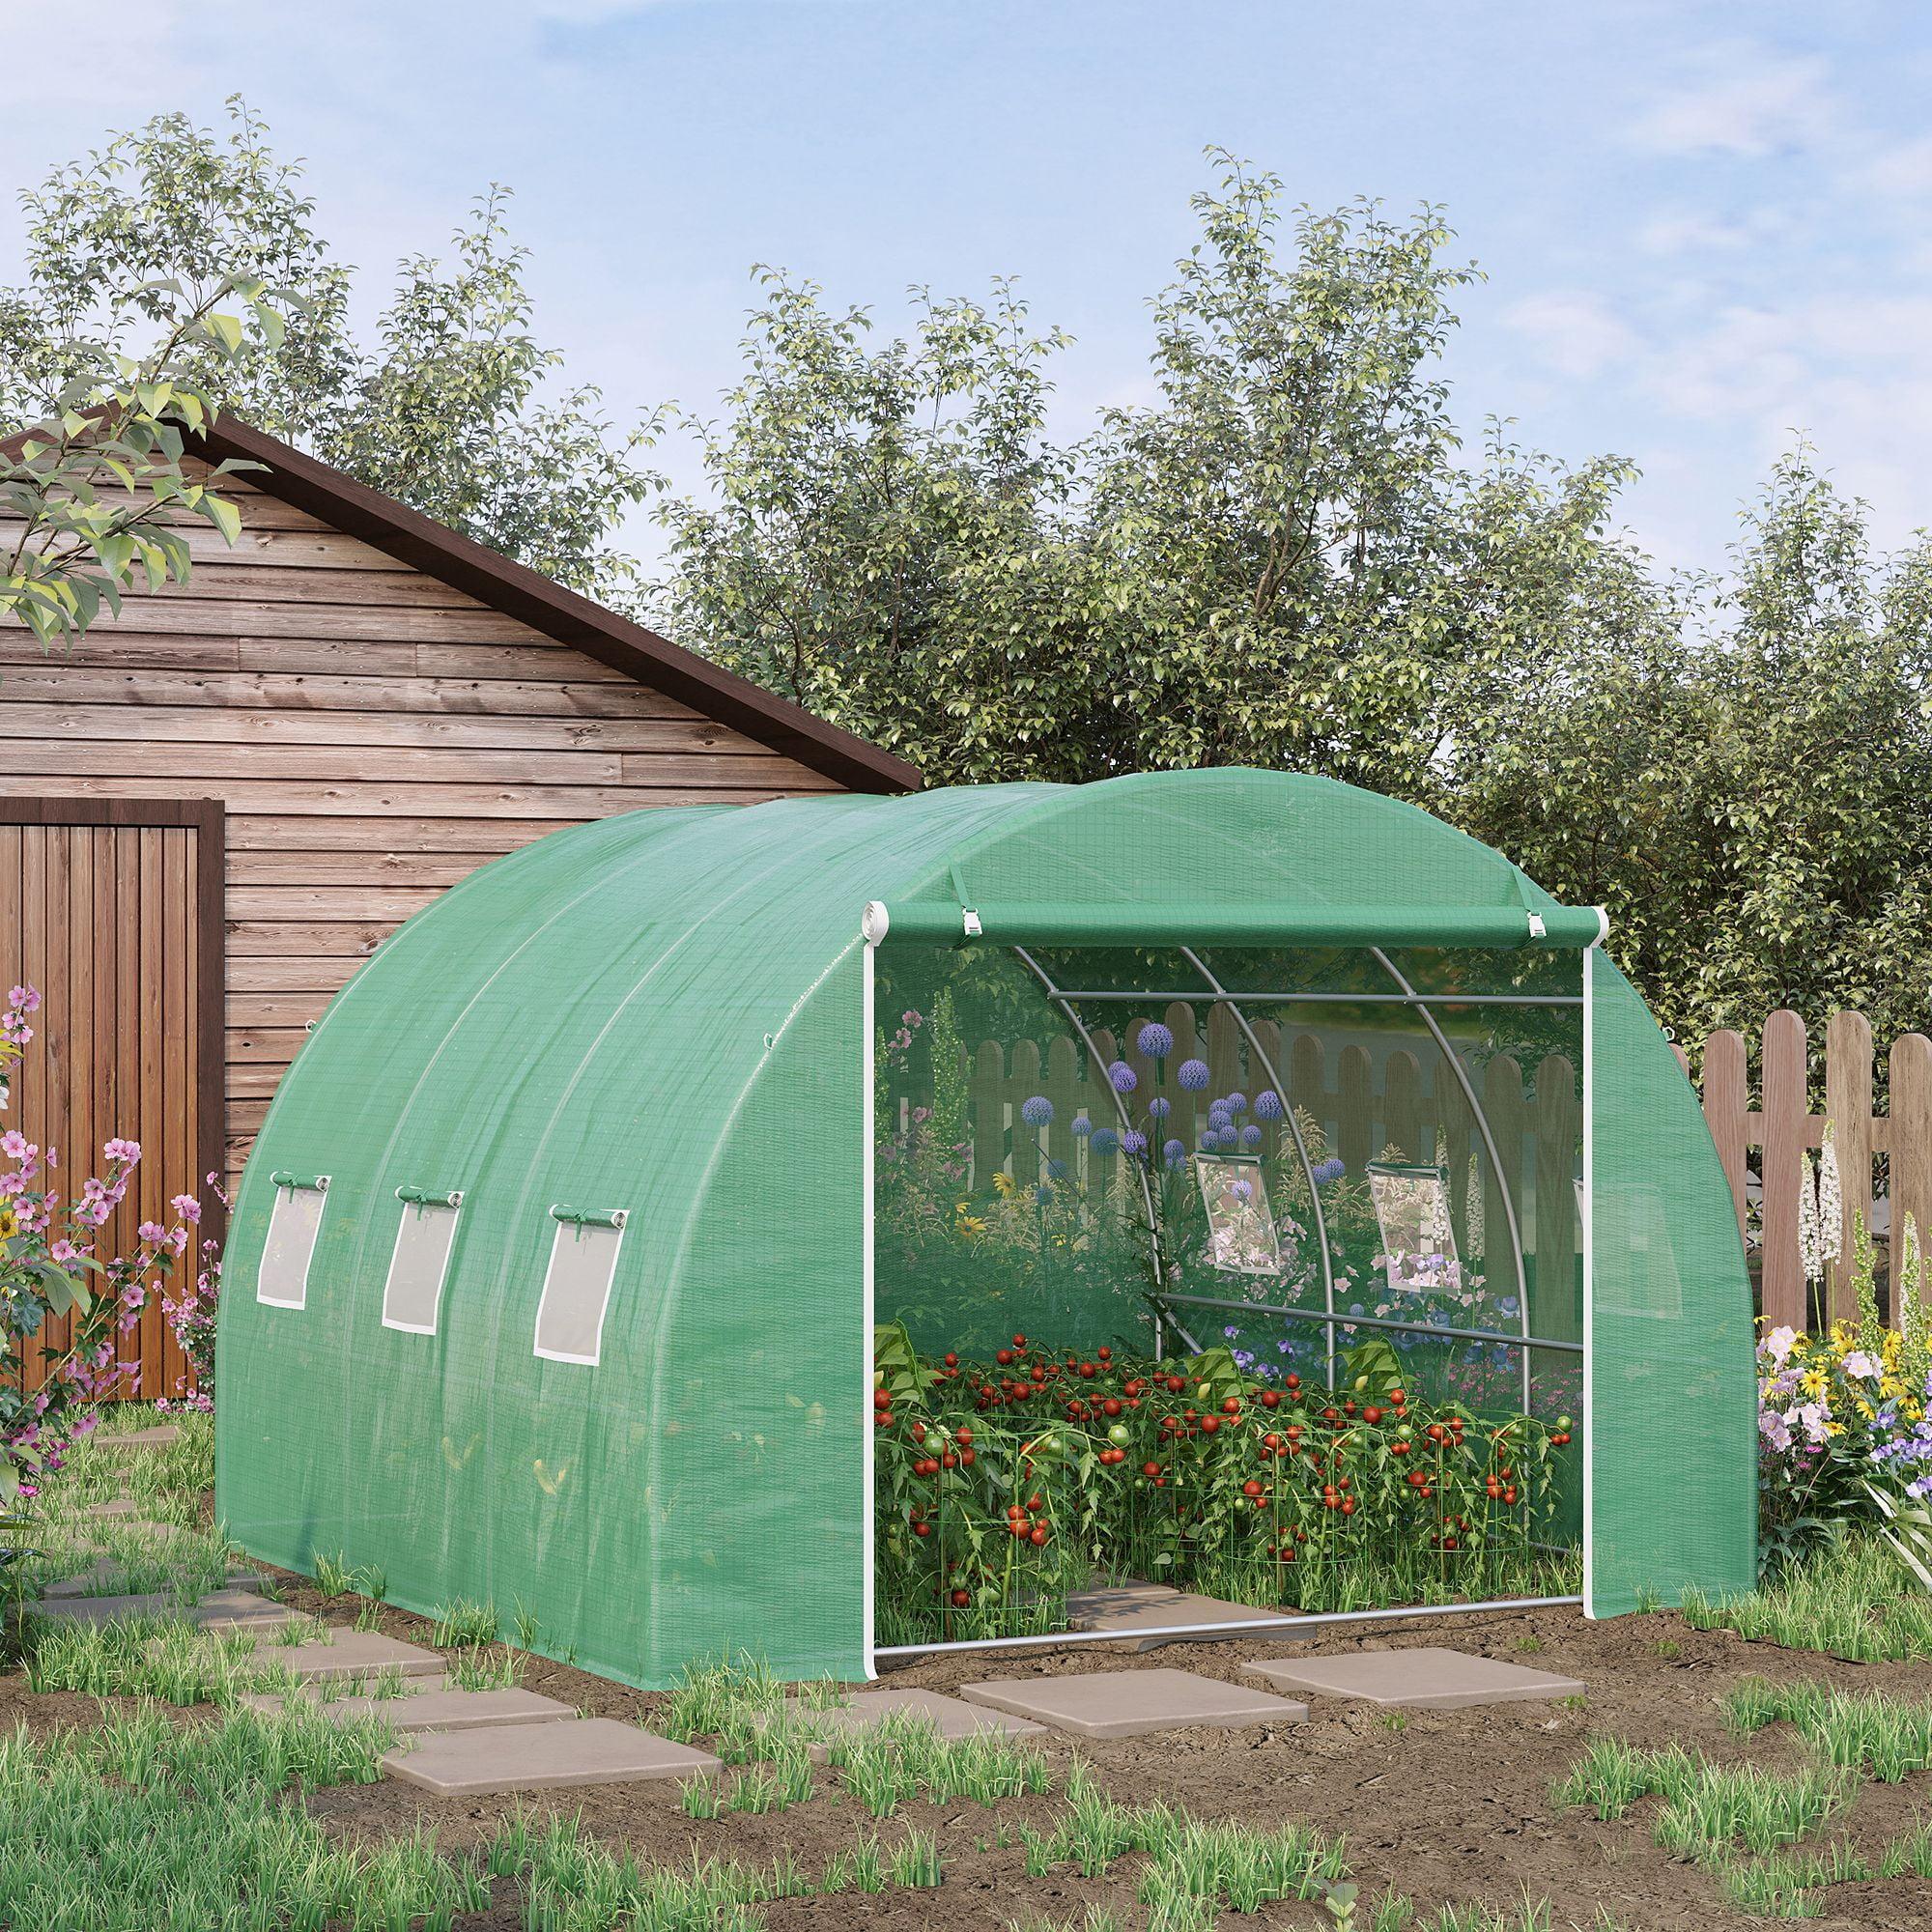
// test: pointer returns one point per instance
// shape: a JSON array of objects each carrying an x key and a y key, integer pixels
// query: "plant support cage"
[{"x": 557, "y": 1269}]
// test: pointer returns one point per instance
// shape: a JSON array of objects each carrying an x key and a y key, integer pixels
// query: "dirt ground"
[{"x": 1450, "y": 1808}]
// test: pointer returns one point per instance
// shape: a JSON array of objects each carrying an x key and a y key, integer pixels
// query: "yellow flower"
[
  {"x": 1003, "y": 1182},
  {"x": 9, "y": 1223}
]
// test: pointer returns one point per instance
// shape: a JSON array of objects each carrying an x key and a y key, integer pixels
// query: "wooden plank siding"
[{"x": 373, "y": 734}]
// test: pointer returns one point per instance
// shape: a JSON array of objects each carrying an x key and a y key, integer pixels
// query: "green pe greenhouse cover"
[{"x": 584, "y": 1331}]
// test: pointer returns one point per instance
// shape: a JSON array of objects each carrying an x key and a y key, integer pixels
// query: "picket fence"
[
  {"x": 1367, "y": 1097},
  {"x": 1764, "y": 1147},
  {"x": 1367, "y": 1100}
]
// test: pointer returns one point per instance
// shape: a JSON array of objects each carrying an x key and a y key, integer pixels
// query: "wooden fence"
[
  {"x": 1366, "y": 1098},
  {"x": 1771, "y": 1139}
]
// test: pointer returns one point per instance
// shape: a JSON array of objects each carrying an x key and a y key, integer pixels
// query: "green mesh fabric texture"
[
  {"x": 1673, "y": 1436},
  {"x": 661, "y": 1016}
]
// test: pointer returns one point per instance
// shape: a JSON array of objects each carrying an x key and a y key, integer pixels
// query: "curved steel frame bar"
[
  {"x": 1497, "y": 1168},
  {"x": 1280, "y": 1087}
]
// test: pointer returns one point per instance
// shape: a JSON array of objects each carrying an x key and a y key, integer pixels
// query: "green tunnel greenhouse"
[{"x": 561, "y": 1272}]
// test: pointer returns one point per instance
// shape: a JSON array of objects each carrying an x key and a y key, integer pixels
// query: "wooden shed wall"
[{"x": 374, "y": 736}]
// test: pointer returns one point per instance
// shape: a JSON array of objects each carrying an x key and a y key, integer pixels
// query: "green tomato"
[
  {"x": 1562, "y": 1423},
  {"x": 1119, "y": 1435}
]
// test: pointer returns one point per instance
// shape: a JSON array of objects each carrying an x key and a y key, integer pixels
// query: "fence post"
[
  {"x": 1022, "y": 1083},
  {"x": 1785, "y": 1114},
  {"x": 1910, "y": 1143},
  {"x": 988, "y": 1094},
  {"x": 1848, "y": 1108},
  {"x": 1726, "y": 1103}
]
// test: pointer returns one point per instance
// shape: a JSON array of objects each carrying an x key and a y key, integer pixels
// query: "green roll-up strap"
[
  {"x": 282, "y": 1177},
  {"x": 589, "y": 1218},
  {"x": 929, "y": 923},
  {"x": 431, "y": 1196}
]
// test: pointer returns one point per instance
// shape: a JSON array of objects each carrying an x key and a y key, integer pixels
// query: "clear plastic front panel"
[{"x": 1254, "y": 1274}]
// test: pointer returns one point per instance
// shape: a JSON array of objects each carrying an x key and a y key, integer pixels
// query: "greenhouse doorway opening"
[{"x": 1253, "y": 1273}]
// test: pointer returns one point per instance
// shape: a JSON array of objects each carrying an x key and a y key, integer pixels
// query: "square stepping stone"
[
  {"x": 1132, "y": 1703},
  {"x": 240, "y": 1609},
  {"x": 119, "y": 1506},
  {"x": 1134, "y": 1607},
  {"x": 541, "y": 1757},
  {"x": 105, "y": 1609},
  {"x": 354, "y": 1653},
  {"x": 867, "y": 1710},
  {"x": 163, "y": 1437},
  {"x": 1422, "y": 1679},
  {"x": 433, "y": 1707},
  {"x": 105, "y": 1570}
]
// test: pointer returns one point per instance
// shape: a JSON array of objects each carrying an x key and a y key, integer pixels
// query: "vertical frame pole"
[
  {"x": 1589, "y": 1233},
  {"x": 867, "y": 1073}
]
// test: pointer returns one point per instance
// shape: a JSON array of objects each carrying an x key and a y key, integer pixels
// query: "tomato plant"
[{"x": 1002, "y": 1484}]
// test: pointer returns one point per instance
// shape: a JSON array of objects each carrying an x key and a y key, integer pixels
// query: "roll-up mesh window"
[
  {"x": 577, "y": 1289},
  {"x": 294, "y": 1222},
  {"x": 414, "y": 1292}
]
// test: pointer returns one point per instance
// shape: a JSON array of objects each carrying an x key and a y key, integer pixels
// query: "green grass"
[
  {"x": 463, "y": 1623},
  {"x": 152, "y": 1657},
  {"x": 480, "y": 1669},
  {"x": 146, "y": 1825},
  {"x": 1883, "y": 1737},
  {"x": 1850, "y": 1601},
  {"x": 1707, "y": 1807},
  {"x": 1192, "y": 1866}
]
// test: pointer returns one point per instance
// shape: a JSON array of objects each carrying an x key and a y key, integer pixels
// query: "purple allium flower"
[
  {"x": 1123, "y": 1077},
  {"x": 1251, "y": 1137},
  {"x": 1242, "y": 1190},
  {"x": 1211, "y": 1140},
  {"x": 1219, "y": 1117},
  {"x": 1159, "y": 1109},
  {"x": 1082, "y": 1125},
  {"x": 1332, "y": 1169},
  {"x": 1133, "y": 1143},
  {"x": 1042, "y": 1194},
  {"x": 1268, "y": 1105},
  {"x": 1106, "y": 1140},
  {"x": 1173, "y": 1152},
  {"x": 1037, "y": 1111},
  {"x": 1237, "y": 1102},
  {"x": 1155, "y": 1040},
  {"x": 1193, "y": 1075}
]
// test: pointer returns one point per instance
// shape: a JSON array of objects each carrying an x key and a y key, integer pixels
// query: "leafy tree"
[
  {"x": 452, "y": 406},
  {"x": 95, "y": 491}
]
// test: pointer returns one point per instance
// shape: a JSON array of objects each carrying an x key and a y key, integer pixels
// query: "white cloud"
[
  {"x": 1575, "y": 334},
  {"x": 1752, "y": 103},
  {"x": 1902, "y": 172}
]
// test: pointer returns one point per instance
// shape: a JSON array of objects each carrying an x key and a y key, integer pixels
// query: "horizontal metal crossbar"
[
  {"x": 1244, "y": 1628},
  {"x": 1348, "y": 999},
  {"x": 1377, "y": 1321}
]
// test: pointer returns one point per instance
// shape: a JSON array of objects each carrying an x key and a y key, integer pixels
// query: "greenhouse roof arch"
[{"x": 548, "y": 1284}]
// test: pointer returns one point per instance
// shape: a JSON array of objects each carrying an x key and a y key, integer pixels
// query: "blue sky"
[{"x": 1704, "y": 227}]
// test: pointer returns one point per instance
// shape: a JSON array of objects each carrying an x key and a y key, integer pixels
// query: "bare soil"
[{"x": 1449, "y": 1807}]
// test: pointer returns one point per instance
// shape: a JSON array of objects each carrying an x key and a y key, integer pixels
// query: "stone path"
[
  {"x": 423, "y": 1705},
  {"x": 540, "y": 1757},
  {"x": 1419, "y": 1679},
  {"x": 104, "y": 1571},
  {"x": 868, "y": 1710},
  {"x": 1132, "y": 1703},
  {"x": 223, "y": 1610},
  {"x": 164, "y": 1436}
]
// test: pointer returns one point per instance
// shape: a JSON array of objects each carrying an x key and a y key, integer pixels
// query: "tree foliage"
[
  {"x": 452, "y": 406},
  {"x": 1283, "y": 558}
]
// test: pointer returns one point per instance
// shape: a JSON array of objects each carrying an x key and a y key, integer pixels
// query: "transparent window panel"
[
  {"x": 414, "y": 1292},
  {"x": 294, "y": 1222},
  {"x": 1243, "y": 1238},
  {"x": 1418, "y": 1238},
  {"x": 577, "y": 1291}
]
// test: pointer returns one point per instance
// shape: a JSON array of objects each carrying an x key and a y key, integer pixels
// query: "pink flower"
[
  {"x": 16, "y": 1146},
  {"x": 122, "y": 1151},
  {"x": 187, "y": 1208},
  {"x": 24, "y": 998},
  {"x": 153, "y": 1233}
]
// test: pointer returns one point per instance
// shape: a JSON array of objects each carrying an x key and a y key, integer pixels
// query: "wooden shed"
[{"x": 218, "y": 803}]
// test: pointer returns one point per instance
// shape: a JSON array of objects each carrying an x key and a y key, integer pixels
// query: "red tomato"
[
  {"x": 1271, "y": 1397},
  {"x": 922, "y": 1529},
  {"x": 1251, "y": 1488},
  {"x": 1371, "y": 1414},
  {"x": 1209, "y": 1424},
  {"x": 961, "y": 1598},
  {"x": 1037, "y": 1536}
]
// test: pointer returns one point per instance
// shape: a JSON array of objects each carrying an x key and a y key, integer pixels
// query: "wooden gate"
[{"x": 113, "y": 908}]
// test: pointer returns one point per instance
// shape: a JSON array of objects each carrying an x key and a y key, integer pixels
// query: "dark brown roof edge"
[{"x": 532, "y": 598}]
